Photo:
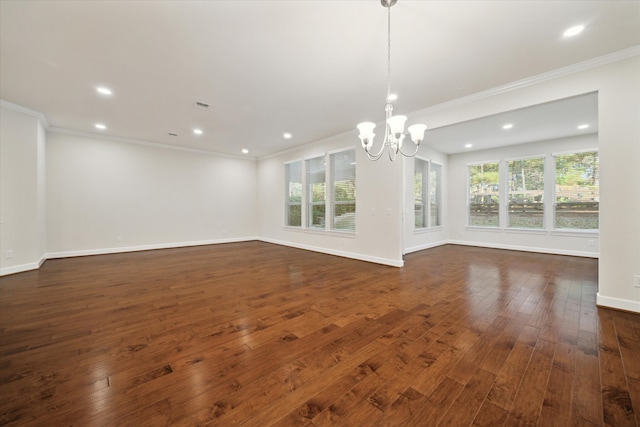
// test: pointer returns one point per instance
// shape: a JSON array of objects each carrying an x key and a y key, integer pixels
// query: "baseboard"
[
  {"x": 351, "y": 255},
  {"x": 105, "y": 251},
  {"x": 19, "y": 268},
  {"x": 425, "y": 246},
  {"x": 617, "y": 303},
  {"x": 527, "y": 249}
]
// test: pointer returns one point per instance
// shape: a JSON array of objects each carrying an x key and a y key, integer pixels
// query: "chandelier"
[{"x": 394, "y": 125}]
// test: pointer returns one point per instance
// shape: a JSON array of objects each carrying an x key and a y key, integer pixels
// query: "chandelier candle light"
[{"x": 394, "y": 128}]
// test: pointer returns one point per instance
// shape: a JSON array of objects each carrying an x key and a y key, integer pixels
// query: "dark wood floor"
[{"x": 259, "y": 334}]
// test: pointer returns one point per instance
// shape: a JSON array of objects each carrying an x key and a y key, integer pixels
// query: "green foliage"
[{"x": 578, "y": 169}]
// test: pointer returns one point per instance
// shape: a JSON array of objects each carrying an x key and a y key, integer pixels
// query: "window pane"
[
  {"x": 343, "y": 166},
  {"x": 435, "y": 194},
  {"x": 577, "y": 191},
  {"x": 316, "y": 190},
  {"x": 419, "y": 193},
  {"x": 483, "y": 195},
  {"x": 293, "y": 196},
  {"x": 526, "y": 193}
]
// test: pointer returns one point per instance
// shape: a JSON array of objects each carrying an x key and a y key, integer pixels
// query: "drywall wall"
[
  {"x": 109, "y": 196},
  {"x": 22, "y": 191}
]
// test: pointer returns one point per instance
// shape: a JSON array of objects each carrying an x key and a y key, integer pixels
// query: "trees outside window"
[
  {"x": 484, "y": 197},
  {"x": 526, "y": 193},
  {"x": 577, "y": 191}
]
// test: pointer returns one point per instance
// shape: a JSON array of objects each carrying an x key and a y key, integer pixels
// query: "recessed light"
[
  {"x": 100, "y": 126},
  {"x": 245, "y": 151},
  {"x": 573, "y": 31},
  {"x": 104, "y": 90},
  {"x": 468, "y": 145},
  {"x": 287, "y": 135},
  {"x": 507, "y": 126},
  {"x": 197, "y": 131},
  {"x": 584, "y": 126}
]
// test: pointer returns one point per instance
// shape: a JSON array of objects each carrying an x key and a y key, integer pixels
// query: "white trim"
[
  {"x": 425, "y": 246},
  {"x": 527, "y": 249},
  {"x": 352, "y": 255},
  {"x": 19, "y": 268},
  {"x": 146, "y": 143},
  {"x": 617, "y": 303},
  {"x": 105, "y": 251},
  {"x": 19, "y": 108}
]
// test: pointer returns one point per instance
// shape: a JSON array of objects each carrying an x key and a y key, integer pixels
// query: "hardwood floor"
[{"x": 258, "y": 334}]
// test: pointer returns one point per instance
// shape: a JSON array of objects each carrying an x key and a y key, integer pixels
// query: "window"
[
  {"x": 526, "y": 193},
  {"x": 420, "y": 185},
  {"x": 316, "y": 192},
  {"x": 484, "y": 205},
  {"x": 293, "y": 196},
  {"x": 577, "y": 192},
  {"x": 343, "y": 190},
  {"x": 435, "y": 194},
  {"x": 320, "y": 193},
  {"x": 427, "y": 189}
]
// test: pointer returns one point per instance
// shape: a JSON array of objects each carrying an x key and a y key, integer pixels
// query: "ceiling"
[
  {"x": 311, "y": 68},
  {"x": 577, "y": 115}
]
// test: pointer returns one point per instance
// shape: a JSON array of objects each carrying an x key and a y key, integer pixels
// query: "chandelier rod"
[{"x": 388, "y": 52}]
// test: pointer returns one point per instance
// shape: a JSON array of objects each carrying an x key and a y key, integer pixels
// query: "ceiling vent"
[{"x": 202, "y": 105}]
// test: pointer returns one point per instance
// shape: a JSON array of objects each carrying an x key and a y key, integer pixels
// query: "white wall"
[
  {"x": 618, "y": 87},
  {"x": 378, "y": 235},
  {"x": 109, "y": 196},
  {"x": 568, "y": 243},
  {"x": 22, "y": 191}
]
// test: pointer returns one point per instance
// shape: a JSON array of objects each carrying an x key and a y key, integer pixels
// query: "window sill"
[
  {"x": 425, "y": 230},
  {"x": 340, "y": 233},
  {"x": 485, "y": 229},
  {"x": 537, "y": 231},
  {"x": 576, "y": 233}
]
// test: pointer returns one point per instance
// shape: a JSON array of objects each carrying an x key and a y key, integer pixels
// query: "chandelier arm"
[
  {"x": 374, "y": 158},
  {"x": 378, "y": 154},
  {"x": 410, "y": 155}
]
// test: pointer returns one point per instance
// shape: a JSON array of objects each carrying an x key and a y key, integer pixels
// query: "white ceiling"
[
  {"x": 551, "y": 120},
  {"x": 312, "y": 68}
]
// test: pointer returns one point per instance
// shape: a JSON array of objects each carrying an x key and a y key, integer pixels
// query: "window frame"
[
  {"x": 559, "y": 230},
  {"x": 499, "y": 192},
  {"x": 310, "y": 203},
  {"x": 288, "y": 203},
  {"x": 507, "y": 203},
  {"x": 332, "y": 193}
]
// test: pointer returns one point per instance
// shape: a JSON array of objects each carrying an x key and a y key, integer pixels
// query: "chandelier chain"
[{"x": 388, "y": 52}]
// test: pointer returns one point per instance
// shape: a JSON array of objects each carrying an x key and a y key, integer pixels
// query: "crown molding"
[
  {"x": 537, "y": 79},
  {"x": 28, "y": 111}
]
